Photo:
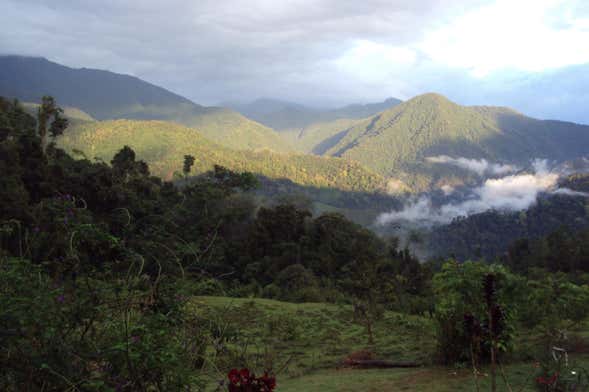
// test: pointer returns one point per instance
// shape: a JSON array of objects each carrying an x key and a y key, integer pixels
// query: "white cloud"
[
  {"x": 509, "y": 193},
  {"x": 374, "y": 62},
  {"x": 479, "y": 166},
  {"x": 530, "y": 35},
  {"x": 447, "y": 189}
]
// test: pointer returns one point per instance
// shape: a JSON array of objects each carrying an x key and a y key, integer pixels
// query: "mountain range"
[
  {"x": 391, "y": 138},
  {"x": 107, "y": 95},
  {"x": 347, "y": 160},
  {"x": 284, "y": 115}
]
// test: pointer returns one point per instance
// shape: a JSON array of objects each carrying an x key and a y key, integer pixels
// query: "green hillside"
[
  {"x": 105, "y": 95},
  {"x": 396, "y": 141},
  {"x": 489, "y": 234},
  {"x": 163, "y": 145},
  {"x": 231, "y": 129},
  {"x": 318, "y": 137}
]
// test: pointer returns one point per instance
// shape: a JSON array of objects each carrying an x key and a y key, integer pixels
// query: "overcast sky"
[{"x": 529, "y": 54}]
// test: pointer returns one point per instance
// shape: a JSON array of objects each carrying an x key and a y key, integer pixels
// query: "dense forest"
[
  {"x": 101, "y": 263},
  {"x": 489, "y": 234}
]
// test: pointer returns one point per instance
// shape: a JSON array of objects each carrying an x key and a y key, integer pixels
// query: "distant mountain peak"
[{"x": 431, "y": 99}]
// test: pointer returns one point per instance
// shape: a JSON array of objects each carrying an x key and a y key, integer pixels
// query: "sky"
[{"x": 532, "y": 55}]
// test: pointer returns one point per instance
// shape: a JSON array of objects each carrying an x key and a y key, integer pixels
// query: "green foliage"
[
  {"x": 458, "y": 290},
  {"x": 163, "y": 146},
  {"x": 297, "y": 284},
  {"x": 50, "y": 120},
  {"x": 493, "y": 234},
  {"x": 554, "y": 303},
  {"x": 188, "y": 163},
  {"x": 95, "y": 334}
]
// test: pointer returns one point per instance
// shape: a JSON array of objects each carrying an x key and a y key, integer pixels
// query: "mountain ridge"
[
  {"x": 163, "y": 146},
  {"x": 106, "y": 95},
  {"x": 396, "y": 141},
  {"x": 284, "y": 115}
]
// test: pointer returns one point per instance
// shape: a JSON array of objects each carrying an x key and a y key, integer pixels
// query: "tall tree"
[{"x": 50, "y": 119}]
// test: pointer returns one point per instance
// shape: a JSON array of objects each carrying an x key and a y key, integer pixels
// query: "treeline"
[{"x": 561, "y": 251}]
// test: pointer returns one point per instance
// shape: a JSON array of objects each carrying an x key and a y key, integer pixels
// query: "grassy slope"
[
  {"x": 313, "y": 338},
  {"x": 396, "y": 141},
  {"x": 163, "y": 145}
]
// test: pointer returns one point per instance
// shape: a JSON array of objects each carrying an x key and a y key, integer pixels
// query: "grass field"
[{"x": 306, "y": 343}]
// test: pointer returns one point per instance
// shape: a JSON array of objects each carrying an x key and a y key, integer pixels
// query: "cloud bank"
[
  {"x": 480, "y": 166},
  {"x": 509, "y": 193}
]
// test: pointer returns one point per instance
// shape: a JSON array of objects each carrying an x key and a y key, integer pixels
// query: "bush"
[
  {"x": 271, "y": 291},
  {"x": 298, "y": 284},
  {"x": 104, "y": 334},
  {"x": 459, "y": 290},
  {"x": 208, "y": 287}
]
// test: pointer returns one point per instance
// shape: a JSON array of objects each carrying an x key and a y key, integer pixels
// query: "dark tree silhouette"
[{"x": 188, "y": 163}]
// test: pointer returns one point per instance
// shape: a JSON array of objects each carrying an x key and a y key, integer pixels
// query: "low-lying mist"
[{"x": 503, "y": 187}]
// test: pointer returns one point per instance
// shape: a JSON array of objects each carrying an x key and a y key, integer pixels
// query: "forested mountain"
[
  {"x": 396, "y": 141},
  {"x": 318, "y": 137},
  {"x": 107, "y": 95},
  {"x": 490, "y": 233},
  {"x": 283, "y": 115},
  {"x": 163, "y": 145},
  {"x": 102, "y": 94}
]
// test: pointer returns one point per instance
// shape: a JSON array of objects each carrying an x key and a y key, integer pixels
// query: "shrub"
[
  {"x": 459, "y": 289},
  {"x": 298, "y": 284},
  {"x": 99, "y": 334}
]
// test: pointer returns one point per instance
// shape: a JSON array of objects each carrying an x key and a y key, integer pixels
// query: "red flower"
[
  {"x": 245, "y": 376},
  {"x": 244, "y": 381},
  {"x": 269, "y": 382},
  {"x": 233, "y": 376}
]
